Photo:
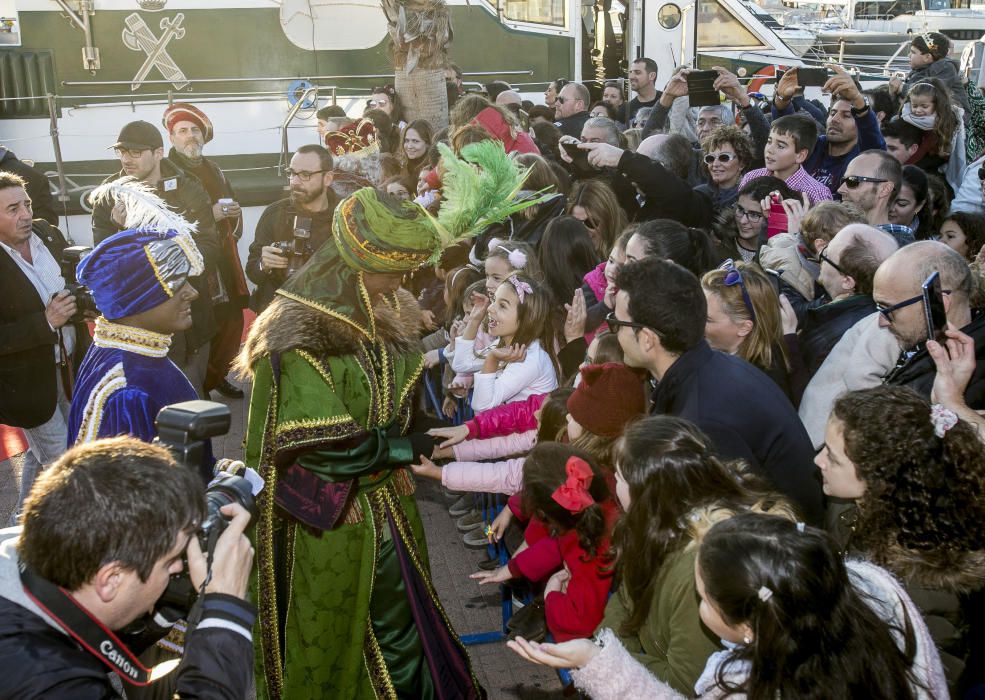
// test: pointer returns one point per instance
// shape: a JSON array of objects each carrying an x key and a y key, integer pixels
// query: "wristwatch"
[{"x": 863, "y": 110}]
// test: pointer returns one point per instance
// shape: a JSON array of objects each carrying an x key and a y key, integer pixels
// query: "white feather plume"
[{"x": 145, "y": 210}]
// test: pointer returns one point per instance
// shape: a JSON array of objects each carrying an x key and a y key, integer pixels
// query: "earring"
[{"x": 747, "y": 639}]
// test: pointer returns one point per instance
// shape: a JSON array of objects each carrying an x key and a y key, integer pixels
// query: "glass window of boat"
[
  {"x": 550, "y": 12},
  {"x": 719, "y": 29}
]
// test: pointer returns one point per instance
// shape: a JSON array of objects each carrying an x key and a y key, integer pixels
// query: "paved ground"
[{"x": 471, "y": 610}]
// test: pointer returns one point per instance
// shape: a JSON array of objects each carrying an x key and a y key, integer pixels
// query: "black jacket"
[
  {"x": 572, "y": 126},
  {"x": 38, "y": 188},
  {"x": 27, "y": 343},
  {"x": 185, "y": 194},
  {"x": 39, "y": 660},
  {"x": 666, "y": 196},
  {"x": 919, "y": 371},
  {"x": 825, "y": 323},
  {"x": 277, "y": 224},
  {"x": 746, "y": 416}
]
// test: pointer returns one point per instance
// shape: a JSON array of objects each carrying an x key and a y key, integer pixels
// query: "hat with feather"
[{"x": 138, "y": 269}]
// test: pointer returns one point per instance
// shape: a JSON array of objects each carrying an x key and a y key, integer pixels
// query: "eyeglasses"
[
  {"x": 754, "y": 217},
  {"x": 560, "y": 100},
  {"x": 720, "y": 157},
  {"x": 614, "y": 323},
  {"x": 734, "y": 277},
  {"x": 887, "y": 311},
  {"x": 302, "y": 175},
  {"x": 825, "y": 259},
  {"x": 853, "y": 181},
  {"x": 132, "y": 152}
]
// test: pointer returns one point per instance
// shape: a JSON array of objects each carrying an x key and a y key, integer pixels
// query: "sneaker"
[
  {"x": 463, "y": 505},
  {"x": 470, "y": 521},
  {"x": 489, "y": 564},
  {"x": 476, "y": 537}
]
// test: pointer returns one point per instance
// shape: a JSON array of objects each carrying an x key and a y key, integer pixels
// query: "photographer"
[
  {"x": 277, "y": 232},
  {"x": 42, "y": 339},
  {"x": 65, "y": 582}
]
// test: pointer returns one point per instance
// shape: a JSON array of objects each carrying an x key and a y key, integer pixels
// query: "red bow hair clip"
[{"x": 573, "y": 494}]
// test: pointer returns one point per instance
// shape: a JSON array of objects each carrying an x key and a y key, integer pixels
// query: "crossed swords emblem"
[{"x": 138, "y": 37}]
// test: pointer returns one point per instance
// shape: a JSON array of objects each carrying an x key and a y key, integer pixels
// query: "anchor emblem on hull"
[{"x": 139, "y": 37}]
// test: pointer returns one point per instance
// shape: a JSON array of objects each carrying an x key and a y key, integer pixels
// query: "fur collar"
[
  {"x": 288, "y": 325},
  {"x": 937, "y": 570}
]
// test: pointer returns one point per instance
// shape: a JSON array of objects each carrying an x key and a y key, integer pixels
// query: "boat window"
[
  {"x": 536, "y": 11},
  {"x": 720, "y": 29},
  {"x": 669, "y": 16}
]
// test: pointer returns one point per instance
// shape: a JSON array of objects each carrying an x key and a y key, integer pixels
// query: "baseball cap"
[{"x": 139, "y": 135}]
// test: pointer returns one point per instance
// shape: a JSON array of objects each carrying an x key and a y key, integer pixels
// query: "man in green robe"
[{"x": 347, "y": 608}]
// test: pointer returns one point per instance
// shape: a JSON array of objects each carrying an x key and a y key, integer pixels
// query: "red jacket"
[
  {"x": 493, "y": 122},
  {"x": 578, "y": 611},
  {"x": 507, "y": 418}
]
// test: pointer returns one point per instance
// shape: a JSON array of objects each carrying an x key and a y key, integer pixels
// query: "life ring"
[{"x": 296, "y": 90}]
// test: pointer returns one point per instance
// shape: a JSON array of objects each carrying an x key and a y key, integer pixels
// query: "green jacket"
[{"x": 672, "y": 644}]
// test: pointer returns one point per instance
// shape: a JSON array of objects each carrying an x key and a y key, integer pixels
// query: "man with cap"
[
  {"x": 140, "y": 149},
  {"x": 141, "y": 281},
  {"x": 347, "y": 607},
  {"x": 189, "y": 129}
]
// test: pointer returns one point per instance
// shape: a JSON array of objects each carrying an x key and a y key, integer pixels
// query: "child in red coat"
[{"x": 571, "y": 515}]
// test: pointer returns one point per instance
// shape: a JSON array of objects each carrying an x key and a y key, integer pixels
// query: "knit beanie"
[{"x": 608, "y": 397}]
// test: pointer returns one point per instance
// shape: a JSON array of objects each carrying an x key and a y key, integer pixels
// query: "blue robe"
[{"x": 120, "y": 392}]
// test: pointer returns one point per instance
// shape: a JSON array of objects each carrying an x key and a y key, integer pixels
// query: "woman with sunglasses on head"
[
  {"x": 386, "y": 99},
  {"x": 741, "y": 229},
  {"x": 744, "y": 318},
  {"x": 915, "y": 475}
]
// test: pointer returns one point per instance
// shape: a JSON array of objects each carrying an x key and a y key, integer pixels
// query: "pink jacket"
[
  {"x": 516, "y": 417},
  {"x": 597, "y": 282},
  {"x": 496, "y": 447},
  {"x": 484, "y": 477}
]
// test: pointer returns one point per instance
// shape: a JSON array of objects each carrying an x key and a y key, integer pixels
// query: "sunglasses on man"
[{"x": 852, "y": 182}]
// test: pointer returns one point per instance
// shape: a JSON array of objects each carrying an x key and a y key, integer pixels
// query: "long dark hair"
[
  {"x": 553, "y": 415},
  {"x": 566, "y": 254},
  {"x": 690, "y": 248},
  {"x": 814, "y": 635},
  {"x": 671, "y": 470},
  {"x": 543, "y": 472}
]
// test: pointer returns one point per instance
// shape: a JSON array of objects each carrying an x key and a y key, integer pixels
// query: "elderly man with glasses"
[
  {"x": 872, "y": 182},
  {"x": 659, "y": 320},
  {"x": 293, "y": 227},
  {"x": 900, "y": 302},
  {"x": 140, "y": 148}
]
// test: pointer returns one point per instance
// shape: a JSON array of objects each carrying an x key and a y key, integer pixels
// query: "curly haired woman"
[{"x": 916, "y": 474}]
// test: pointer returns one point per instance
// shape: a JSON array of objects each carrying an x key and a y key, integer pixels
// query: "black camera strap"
[{"x": 89, "y": 632}]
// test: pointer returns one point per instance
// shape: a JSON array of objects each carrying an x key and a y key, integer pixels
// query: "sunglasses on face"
[
  {"x": 720, "y": 157},
  {"x": 853, "y": 181},
  {"x": 734, "y": 277},
  {"x": 754, "y": 217},
  {"x": 614, "y": 324}
]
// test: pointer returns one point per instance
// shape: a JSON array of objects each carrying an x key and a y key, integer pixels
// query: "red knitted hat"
[{"x": 608, "y": 397}]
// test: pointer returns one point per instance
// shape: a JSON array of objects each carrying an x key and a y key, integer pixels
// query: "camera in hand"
[
  {"x": 185, "y": 429},
  {"x": 84, "y": 302},
  {"x": 298, "y": 249}
]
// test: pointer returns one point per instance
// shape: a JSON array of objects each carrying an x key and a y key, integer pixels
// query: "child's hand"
[
  {"x": 558, "y": 581},
  {"x": 796, "y": 211},
  {"x": 449, "y": 406},
  {"x": 610, "y": 295},
  {"x": 458, "y": 390},
  {"x": 788, "y": 317},
  {"x": 895, "y": 85},
  {"x": 452, "y": 435},
  {"x": 500, "y": 575},
  {"x": 480, "y": 304},
  {"x": 499, "y": 525},
  {"x": 575, "y": 653},
  {"x": 574, "y": 322},
  {"x": 426, "y": 468},
  {"x": 442, "y": 453},
  {"x": 509, "y": 353},
  {"x": 431, "y": 358},
  {"x": 456, "y": 328}
]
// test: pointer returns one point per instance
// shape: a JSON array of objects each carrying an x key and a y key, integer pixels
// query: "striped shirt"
[
  {"x": 799, "y": 181},
  {"x": 46, "y": 276}
]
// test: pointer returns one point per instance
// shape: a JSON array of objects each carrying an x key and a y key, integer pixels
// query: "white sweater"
[{"x": 516, "y": 382}]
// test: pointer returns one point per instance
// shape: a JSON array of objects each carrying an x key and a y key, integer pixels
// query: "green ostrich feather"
[{"x": 479, "y": 188}]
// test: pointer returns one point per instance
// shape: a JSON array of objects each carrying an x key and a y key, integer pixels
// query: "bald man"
[
  {"x": 872, "y": 182},
  {"x": 898, "y": 298},
  {"x": 848, "y": 266}
]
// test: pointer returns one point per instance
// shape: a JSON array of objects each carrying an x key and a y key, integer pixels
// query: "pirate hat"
[{"x": 185, "y": 112}]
